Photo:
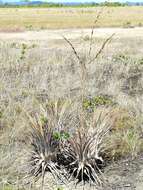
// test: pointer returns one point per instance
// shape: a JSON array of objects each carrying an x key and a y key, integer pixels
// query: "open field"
[
  {"x": 19, "y": 19},
  {"x": 71, "y": 98},
  {"x": 38, "y": 68}
]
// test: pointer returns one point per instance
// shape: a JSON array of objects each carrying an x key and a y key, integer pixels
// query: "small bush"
[
  {"x": 90, "y": 104},
  {"x": 121, "y": 57}
]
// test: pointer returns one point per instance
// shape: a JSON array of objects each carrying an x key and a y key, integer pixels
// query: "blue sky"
[{"x": 75, "y": 0}]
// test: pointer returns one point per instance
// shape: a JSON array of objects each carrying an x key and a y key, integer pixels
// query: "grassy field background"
[
  {"x": 57, "y": 18},
  {"x": 46, "y": 80}
]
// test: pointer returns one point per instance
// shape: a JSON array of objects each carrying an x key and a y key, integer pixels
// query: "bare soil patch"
[{"x": 72, "y": 33}]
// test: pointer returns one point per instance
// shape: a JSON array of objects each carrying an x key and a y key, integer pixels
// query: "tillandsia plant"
[
  {"x": 77, "y": 156},
  {"x": 43, "y": 155},
  {"x": 45, "y": 136},
  {"x": 83, "y": 154},
  {"x": 45, "y": 152},
  {"x": 80, "y": 159}
]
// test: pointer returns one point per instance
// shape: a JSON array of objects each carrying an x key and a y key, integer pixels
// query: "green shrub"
[
  {"x": 61, "y": 135},
  {"x": 44, "y": 120},
  {"x": 90, "y": 104},
  {"x": 121, "y": 57}
]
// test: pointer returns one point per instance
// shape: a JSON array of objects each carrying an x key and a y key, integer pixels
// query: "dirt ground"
[
  {"x": 126, "y": 174},
  {"x": 72, "y": 34}
]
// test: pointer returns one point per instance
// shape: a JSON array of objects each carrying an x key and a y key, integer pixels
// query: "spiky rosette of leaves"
[
  {"x": 45, "y": 135},
  {"x": 82, "y": 154},
  {"x": 77, "y": 155},
  {"x": 80, "y": 161},
  {"x": 44, "y": 147},
  {"x": 43, "y": 158}
]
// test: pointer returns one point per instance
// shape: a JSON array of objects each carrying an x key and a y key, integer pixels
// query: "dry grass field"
[
  {"x": 34, "y": 73},
  {"x": 71, "y": 109},
  {"x": 57, "y": 18}
]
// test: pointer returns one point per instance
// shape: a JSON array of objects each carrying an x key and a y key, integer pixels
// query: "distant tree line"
[
  {"x": 7, "y": 5},
  {"x": 29, "y": 4}
]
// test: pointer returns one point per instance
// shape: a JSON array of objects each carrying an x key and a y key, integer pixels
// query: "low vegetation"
[
  {"x": 20, "y": 19},
  {"x": 64, "y": 114}
]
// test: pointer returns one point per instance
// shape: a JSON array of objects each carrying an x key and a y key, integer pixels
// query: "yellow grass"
[{"x": 53, "y": 18}]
